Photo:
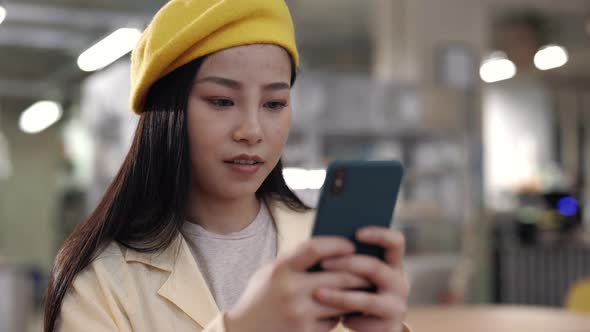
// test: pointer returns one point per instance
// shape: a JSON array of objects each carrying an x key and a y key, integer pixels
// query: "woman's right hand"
[{"x": 279, "y": 296}]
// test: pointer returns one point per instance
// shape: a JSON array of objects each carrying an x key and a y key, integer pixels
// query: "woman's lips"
[{"x": 243, "y": 168}]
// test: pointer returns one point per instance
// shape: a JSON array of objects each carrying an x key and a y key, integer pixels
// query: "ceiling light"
[
  {"x": 550, "y": 56},
  {"x": 497, "y": 68},
  {"x": 39, "y": 116},
  {"x": 299, "y": 178},
  {"x": 2, "y": 14},
  {"x": 109, "y": 49}
]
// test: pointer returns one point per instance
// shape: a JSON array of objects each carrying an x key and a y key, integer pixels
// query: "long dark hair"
[{"x": 144, "y": 206}]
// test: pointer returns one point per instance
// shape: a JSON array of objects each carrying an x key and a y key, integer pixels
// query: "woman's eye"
[
  {"x": 221, "y": 102},
  {"x": 275, "y": 105}
]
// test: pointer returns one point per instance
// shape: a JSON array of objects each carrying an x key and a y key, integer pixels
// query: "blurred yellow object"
[{"x": 578, "y": 297}]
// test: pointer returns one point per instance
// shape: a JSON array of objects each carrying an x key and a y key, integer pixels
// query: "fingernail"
[{"x": 366, "y": 232}]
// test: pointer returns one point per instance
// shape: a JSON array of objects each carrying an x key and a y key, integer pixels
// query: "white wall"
[
  {"x": 28, "y": 197},
  {"x": 517, "y": 137}
]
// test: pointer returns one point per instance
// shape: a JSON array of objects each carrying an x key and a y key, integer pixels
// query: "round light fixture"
[
  {"x": 497, "y": 67},
  {"x": 40, "y": 116},
  {"x": 550, "y": 56}
]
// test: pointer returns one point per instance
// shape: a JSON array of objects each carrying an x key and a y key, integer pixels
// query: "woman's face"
[{"x": 239, "y": 115}]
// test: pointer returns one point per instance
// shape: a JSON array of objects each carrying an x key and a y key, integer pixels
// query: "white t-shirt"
[{"x": 228, "y": 261}]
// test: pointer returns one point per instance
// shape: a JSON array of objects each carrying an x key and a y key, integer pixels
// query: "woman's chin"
[{"x": 241, "y": 190}]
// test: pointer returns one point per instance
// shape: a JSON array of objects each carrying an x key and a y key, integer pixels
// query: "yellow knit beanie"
[{"x": 184, "y": 30}]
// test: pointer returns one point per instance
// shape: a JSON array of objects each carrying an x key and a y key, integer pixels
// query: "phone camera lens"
[{"x": 338, "y": 183}]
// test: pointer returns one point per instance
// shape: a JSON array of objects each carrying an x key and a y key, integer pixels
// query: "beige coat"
[{"x": 125, "y": 290}]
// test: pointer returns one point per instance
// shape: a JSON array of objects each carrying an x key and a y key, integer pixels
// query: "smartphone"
[{"x": 356, "y": 194}]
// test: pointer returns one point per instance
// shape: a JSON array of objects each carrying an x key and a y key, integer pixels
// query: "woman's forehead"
[{"x": 255, "y": 58}]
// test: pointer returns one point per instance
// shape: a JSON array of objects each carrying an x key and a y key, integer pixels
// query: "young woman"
[{"x": 198, "y": 230}]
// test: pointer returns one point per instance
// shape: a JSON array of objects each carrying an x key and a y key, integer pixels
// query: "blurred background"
[{"x": 487, "y": 103}]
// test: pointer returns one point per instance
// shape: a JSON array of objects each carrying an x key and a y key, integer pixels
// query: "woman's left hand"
[{"x": 383, "y": 311}]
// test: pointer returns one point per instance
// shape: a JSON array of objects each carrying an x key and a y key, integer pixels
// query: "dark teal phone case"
[{"x": 368, "y": 197}]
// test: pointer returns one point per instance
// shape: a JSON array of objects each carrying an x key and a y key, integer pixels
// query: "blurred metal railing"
[{"x": 539, "y": 275}]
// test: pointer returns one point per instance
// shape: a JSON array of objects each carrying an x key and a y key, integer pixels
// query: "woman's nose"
[{"x": 249, "y": 130}]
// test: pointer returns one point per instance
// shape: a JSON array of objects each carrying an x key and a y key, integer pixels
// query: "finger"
[
  {"x": 368, "y": 323},
  {"x": 393, "y": 242},
  {"x": 357, "y": 323},
  {"x": 384, "y": 307},
  {"x": 386, "y": 278},
  {"x": 321, "y": 311},
  {"x": 328, "y": 313},
  {"x": 314, "y": 250},
  {"x": 328, "y": 324},
  {"x": 338, "y": 280}
]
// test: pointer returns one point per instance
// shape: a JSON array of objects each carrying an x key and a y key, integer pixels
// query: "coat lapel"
[
  {"x": 292, "y": 227},
  {"x": 185, "y": 287}
]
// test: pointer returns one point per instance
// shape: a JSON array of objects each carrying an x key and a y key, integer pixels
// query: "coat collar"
[
  {"x": 186, "y": 287},
  {"x": 292, "y": 227}
]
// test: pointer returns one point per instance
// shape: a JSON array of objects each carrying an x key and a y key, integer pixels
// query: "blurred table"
[{"x": 495, "y": 318}]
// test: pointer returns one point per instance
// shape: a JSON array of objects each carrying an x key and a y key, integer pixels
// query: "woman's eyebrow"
[
  {"x": 221, "y": 81},
  {"x": 277, "y": 86},
  {"x": 238, "y": 85}
]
